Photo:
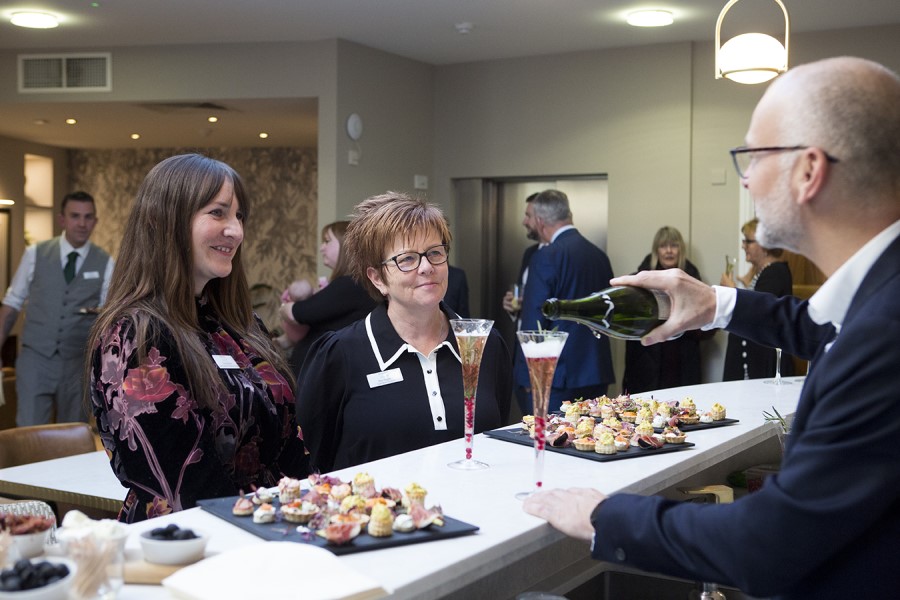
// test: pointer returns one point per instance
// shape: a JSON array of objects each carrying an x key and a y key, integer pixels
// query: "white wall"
[{"x": 394, "y": 96}]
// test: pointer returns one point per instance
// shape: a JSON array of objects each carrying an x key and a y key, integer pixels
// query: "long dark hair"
[{"x": 153, "y": 277}]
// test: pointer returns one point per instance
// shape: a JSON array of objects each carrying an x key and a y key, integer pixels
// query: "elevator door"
[{"x": 490, "y": 238}]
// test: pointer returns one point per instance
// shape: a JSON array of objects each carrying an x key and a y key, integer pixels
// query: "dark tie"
[{"x": 69, "y": 271}]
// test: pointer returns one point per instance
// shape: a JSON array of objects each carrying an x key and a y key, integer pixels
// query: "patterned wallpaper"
[{"x": 281, "y": 240}]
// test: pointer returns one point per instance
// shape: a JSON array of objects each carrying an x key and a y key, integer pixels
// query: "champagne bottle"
[{"x": 624, "y": 312}]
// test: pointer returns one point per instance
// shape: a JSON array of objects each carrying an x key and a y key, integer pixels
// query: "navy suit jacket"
[
  {"x": 828, "y": 525},
  {"x": 526, "y": 260},
  {"x": 570, "y": 267},
  {"x": 457, "y": 296}
]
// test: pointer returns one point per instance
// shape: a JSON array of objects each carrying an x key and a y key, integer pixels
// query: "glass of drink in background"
[
  {"x": 730, "y": 263},
  {"x": 516, "y": 297},
  {"x": 471, "y": 337},
  {"x": 542, "y": 349}
]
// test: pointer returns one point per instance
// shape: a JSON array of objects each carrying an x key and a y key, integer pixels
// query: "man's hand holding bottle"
[{"x": 693, "y": 303}]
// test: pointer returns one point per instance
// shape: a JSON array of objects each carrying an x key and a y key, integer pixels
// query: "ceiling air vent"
[{"x": 48, "y": 73}]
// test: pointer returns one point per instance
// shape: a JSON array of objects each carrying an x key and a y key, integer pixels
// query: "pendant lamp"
[{"x": 751, "y": 57}]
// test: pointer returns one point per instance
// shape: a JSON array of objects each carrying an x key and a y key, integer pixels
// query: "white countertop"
[{"x": 484, "y": 498}]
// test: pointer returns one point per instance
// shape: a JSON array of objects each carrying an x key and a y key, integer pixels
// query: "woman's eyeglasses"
[{"x": 410, "y": 261}]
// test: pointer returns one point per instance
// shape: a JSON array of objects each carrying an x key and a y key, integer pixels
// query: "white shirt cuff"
[{"x": 726, "y": 298}]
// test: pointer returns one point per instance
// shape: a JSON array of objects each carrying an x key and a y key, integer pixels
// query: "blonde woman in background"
[
  {"x": 676, "y": 362},
  {"x": 745, "y": 359}
]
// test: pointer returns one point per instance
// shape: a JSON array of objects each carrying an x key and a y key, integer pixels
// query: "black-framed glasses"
[
  {"x": 746, "y": 242},
  {"x": 743, "y": 156},
  {"x": 410, "y": 261}
]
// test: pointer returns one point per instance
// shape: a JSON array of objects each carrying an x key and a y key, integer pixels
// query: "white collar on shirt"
[
  {"x": 560, "y": 231},
  {"x": 65, "y": 247},
  {"x": 831, "y": 302}
]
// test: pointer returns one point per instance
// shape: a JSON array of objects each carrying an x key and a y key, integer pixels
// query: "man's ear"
[{"x": 811, "y": 174}]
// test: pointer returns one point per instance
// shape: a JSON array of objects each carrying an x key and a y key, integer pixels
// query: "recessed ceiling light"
[
  {"x": 464, "y": 27},
  {"x": 213, "y": 119},
  {"x": 40, "y": 121},
  {"x": 71, "y": 121},
  {"x": 34, "y": 20},
  {"x": 263, "y": 135},
  {"x": 650, "y": 18},
  {"x": 135, "y": 136}
]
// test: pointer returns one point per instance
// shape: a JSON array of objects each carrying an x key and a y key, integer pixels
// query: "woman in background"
[
  {"x": 676, "y": 362},
  {"x": 745, "y": 359},
  {"x": 192, "y": 399},
  {"x": 339, "y": 302},
  {"x": 392, "y": 382}
]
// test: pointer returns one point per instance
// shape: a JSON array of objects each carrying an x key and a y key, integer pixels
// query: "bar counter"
[{"x": 512, "y": 551}]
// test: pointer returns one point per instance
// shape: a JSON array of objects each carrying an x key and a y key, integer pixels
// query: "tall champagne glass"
[
  {"x": 779, "y": 380},
  {"x": 542, "y": 350},
  {"x": 471, "y": 336}
]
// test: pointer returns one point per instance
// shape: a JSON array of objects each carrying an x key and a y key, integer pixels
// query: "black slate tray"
[
  {"x": 283, "y": 531},
  {"x": 520, "y": 436},
  {"x": 684, "y": 428},
  {"x": 699, "y": 426}
]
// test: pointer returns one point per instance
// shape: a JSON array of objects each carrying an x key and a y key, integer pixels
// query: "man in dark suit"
[
  {"x": 512, "y": 303},
  {"x": 827, "y": 525},
  {"x": 569, "y": 266},
  {"x": 457, "y": 295}
]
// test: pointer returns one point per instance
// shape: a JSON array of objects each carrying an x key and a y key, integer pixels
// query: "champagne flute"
[
  {"x": 542, "y": 349},
  {"x": 517, "y": 297},
  {"x": 778, "y": 379},
  {"x": 730, "y": 263},
  {"x": 471, "y": 337}
]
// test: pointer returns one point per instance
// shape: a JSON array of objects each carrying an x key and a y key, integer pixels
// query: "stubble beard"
[{"x": 779, "y": 224}]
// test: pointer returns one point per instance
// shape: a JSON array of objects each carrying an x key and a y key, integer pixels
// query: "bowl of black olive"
[
  {"x": 37, "y": 579},
  {"x": 173, "y": 545}
]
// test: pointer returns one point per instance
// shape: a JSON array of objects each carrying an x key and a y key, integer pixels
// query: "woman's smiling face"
[
  {"x": 422, "y": 287},
  {"x": 217, "y": 231}
]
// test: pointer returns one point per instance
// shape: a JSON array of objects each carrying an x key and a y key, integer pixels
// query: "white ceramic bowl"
[
  {"x": 31, "y": 545},
  {"x": 173, "y": 552},
  {"x": 58, "y": 590}
]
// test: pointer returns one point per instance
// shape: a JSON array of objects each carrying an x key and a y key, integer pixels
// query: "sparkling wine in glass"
[
  {"x": 730, "y": 263},
  {"x": 542, "y": 349},
  {"x": 471, "y": 336}
]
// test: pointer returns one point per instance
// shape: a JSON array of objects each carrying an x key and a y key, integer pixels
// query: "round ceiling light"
[
  {"x": 650, "y": 18},
  {"x": 34, "y": 20}
]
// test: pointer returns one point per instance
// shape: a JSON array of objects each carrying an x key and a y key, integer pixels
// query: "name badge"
[
  {"x": 225, "y": 361},
  {"x": 91, "y": 275},
  {"x": 384, "y": 378}
]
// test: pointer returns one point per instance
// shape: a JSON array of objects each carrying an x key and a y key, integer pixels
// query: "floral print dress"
[{"x": 168, "y": 450}]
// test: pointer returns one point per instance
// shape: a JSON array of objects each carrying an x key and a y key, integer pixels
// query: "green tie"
[{"x": 69, "y": 271}]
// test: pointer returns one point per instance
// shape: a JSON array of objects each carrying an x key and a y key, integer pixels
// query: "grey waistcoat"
[{"x": 52, "y": 321}]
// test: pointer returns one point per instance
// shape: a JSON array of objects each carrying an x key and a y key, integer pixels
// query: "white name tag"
[
  {"x": 225, "y": 361},
  {"x": 384, "y": 378},
  {"x": 91, "y": 275}
]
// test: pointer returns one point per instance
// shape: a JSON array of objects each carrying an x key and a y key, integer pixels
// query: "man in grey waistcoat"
[{"x": 64, "y": 280}]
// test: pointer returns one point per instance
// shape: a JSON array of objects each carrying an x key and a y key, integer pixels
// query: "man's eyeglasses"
[
  {"x": 410, "y": 261},
  {"x": 743, "y": 156}
]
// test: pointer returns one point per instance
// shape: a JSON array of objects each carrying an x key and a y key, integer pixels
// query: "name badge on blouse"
[
  {"x": 91, "y": 275},
  {"x": 384, "y": 378},
  {"x": 225, "y": 361}
]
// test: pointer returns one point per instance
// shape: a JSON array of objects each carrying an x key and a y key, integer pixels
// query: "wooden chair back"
[{"x": 35, "y": 443}]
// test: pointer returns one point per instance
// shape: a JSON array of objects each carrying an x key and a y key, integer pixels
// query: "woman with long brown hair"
[{"x": 191, "y": 398}]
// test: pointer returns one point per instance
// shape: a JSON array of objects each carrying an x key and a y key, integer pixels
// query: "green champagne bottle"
[{"x": 624, "y": 312}]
